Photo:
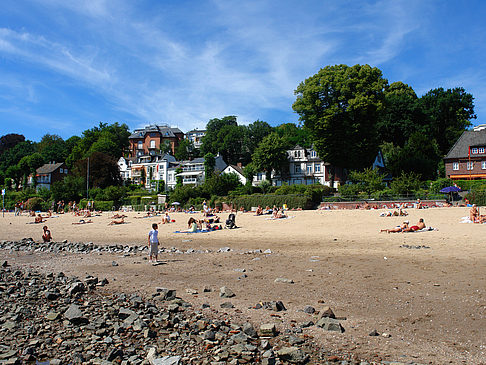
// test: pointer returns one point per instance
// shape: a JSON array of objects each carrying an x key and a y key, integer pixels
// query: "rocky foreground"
[{"x": 55, "y": 319}]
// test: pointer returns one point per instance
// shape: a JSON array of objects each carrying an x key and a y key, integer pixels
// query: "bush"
[
  {"x": 437, "y": 185},
  {"x": 35, "y": 203},
  {"x": 103, "y": 205},
  {"x": 249, "y": 201},
  {"x": 477, "y": 197}
]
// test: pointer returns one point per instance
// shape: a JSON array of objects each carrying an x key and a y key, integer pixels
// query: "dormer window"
[
  {"x": 474, "y": 151},
  {"x": 481, "y": 150}
]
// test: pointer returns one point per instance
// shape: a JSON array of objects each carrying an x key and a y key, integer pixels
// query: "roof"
[
  {"x": 237, "y": 168},
  {"x": 49, "y": 168},
  {"x": 197, "y": 131},
  {"x": 165, "y": 130},
  {"x": 466, "y": 140}
]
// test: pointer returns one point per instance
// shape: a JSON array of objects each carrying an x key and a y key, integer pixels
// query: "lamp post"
[{"x": 87, "y": 182}]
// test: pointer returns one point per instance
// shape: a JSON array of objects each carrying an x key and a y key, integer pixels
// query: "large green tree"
[
  {"x": 53, "y": 148},
  {"x": 103, "y": 170},
  {"x": 449, "y": 113},
  {"x": 271, "y": 154},
  {"x": 340, "y": 105},
  {"x": 294, "y": 135}
]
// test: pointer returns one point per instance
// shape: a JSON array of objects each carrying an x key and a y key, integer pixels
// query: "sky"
[{"x": 67, "y": 65}]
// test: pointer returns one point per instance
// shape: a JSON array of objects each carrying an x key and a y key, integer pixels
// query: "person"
[
  {"x": 259, "y": 210},
  {"x": 419, "y": 204},
  {"x": 191, "y": 225},
  {"x": 474, "y": 213},
  {"x": 82, "y": 221},
  {"x": 399, "y": 228},
  {"x": 38, "y": 219},
  {"x": 420, "y": 225},
  {"x": 153, "y": 243},
  {"x": 46, "y": 236},
  {"x": 166, "y": 218},
  {"x": 121, "y": 221}
]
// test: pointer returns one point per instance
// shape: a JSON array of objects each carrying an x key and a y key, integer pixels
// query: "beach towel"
[
  {"x": 279, "y": 219},
  {"x": 427, "y": 229},
  {"x": 198, "y": 231}
]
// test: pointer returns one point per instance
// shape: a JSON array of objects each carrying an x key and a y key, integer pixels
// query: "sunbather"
[
  {"x": 399, "y": 228},
  {"x": 474, "y": 213},
  {"x": 120, "y": 221},
  {"x": 82, "y": 221},
  {"x": 420, "y": 225}
]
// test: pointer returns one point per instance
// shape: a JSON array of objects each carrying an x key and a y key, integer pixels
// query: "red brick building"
[
  {"x": 467, "y": 158},
  {"x": 148, "y": 141}
]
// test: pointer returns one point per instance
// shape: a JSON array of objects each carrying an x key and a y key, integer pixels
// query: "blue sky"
[{"x": 66, "y": 65}]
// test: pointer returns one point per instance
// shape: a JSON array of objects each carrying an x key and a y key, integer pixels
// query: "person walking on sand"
[{"x": 153, "y": 243}]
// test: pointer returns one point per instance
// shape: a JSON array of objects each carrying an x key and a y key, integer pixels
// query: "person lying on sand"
[
  {"x": 118, "y": 216},
  {"x": 399, "y": 228},
  {"x": 39, "y": 219},
  {"x": 82, "y": 221},
  {"x": 119, "y": 221},
  {"x": 420, "y": 225}
]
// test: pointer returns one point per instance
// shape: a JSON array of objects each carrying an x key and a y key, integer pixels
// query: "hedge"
[
  {"x": 477, "y": 197},
  {"x": 249, "y": 201},
  {"x": 103, "y": 205}
]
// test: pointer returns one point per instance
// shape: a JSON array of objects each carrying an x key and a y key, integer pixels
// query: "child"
[
  {"x": 46, "y": 236},
  {"x": 153, "y": 242}
]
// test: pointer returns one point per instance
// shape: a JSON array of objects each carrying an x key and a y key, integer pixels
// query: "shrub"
[
  {"x": 248, "y": 201},
  {"x": 477, "y": 197},
  {"x": 34, "y": 203}
]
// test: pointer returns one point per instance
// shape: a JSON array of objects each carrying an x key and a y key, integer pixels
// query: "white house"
[
  {"x": 193, "y": 171},
  {"x": 155, "y": 169},
  {"x": 235, "y": 169},
  {"x": 195, "y": 136},
  {"x": 125, "y": 168}
]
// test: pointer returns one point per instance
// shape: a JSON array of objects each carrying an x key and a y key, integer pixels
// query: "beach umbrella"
[
  {"x": 450, "y": 189},
  {"x": 176, "y": 203}
]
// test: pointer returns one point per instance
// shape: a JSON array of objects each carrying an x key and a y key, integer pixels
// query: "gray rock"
[
  {"x": 284, "y": 280},
  {"x": 309, "y": 309},
  {"x": 268, "y": 330},
  {"x": 166, "y": 294},
  {"x": 167, "y": 360},
  {"x": 225, "y": 292},
  {"x": 250, "y": 330},
  {"x": 75, "y": 315},
  {"x": 226, "y": 305},
  {"x": 294, "y": 355},
  {"x": 330, "y": 324}
]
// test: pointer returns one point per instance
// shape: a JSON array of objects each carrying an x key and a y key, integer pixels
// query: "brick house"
[
  {"x": 147, "y": 141},
  {"x": 48, "y": 174},
  {"x": 467, "y": 158}
]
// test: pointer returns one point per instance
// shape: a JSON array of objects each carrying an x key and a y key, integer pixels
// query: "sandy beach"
[{"x": 430, "y": 300}]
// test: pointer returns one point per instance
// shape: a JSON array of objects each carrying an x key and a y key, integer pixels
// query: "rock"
[
  {"x": 224, "y": 249},
  {"x": 284, "y": 280},
  {"x": 294, "y": 355},
  {"x": 386, "y": 335},
  {"x": 267, "y": 251},
  {"x": 191, "y": 291},
  {"x": 51, "y": 295},
  {"x": 166, "y": 294},
  {"x": 52, "y": 316},
  {"x": 5, "y": 263},
  {"x": 330, "y": 324},
  {"x": 326, "y": 312},
  {"x": 77, "y": 287},
  {"x": 374, "y": 333},
  {"x": 124, "y": 313},
  {"x": 227, "y": 305},
  {"x": 268, "y": 330},
  {"x": 114, "y": 263},
  {"x": 309, "y": 309},
  {"x": 75, "y": 316},
  {"x": 249, "y": 330},
  {"x": 225, "y": 292},
  {"x": 168, "y": 360},
  {"x": 294, "y": 340}
]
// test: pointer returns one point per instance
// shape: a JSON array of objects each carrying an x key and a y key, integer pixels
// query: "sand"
[{"x": 430, "y": 300}]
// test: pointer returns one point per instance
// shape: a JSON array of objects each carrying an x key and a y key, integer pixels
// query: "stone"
[
  {"x": 225, "y": 292},
  {"x": 75, "y": 315},
  {"x": 224, "y": 249},
  {"x": 326, "y": 312},
  {"x": 309, "y": 309},
  {"x": 284, "y": 280},
  {"x": 249, "y": 330},
  {"x": 330, "y": 324},
  {"x": 168, "y": 360},
  {"x": 374, "y": 333},
  {"x": 166, "y": 294},
  {"x": 294, "y": 355},
  {"x": 191, "y": 291},
  {"x": 114, "y": 263},
  {"x": 124, "y": 313},
  {"x": 268, "y": 330},
  {"x": 227, "y": 305},
  {"x": 52, "y": 316}
]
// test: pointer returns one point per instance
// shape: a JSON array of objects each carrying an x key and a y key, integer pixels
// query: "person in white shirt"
[{"x": 153, "y": 243}]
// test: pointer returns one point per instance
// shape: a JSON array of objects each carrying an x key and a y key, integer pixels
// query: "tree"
[
  {"x": 449, "y": 113},
  {"x": 256, "y": 131},
  {"x": 401, "y": 115},
  {"x": 294, "y": 135},
  {"x": 271, "y": 154},
  {"x": 103, "y": 170},
  {"x": 53, "y": 148},
  {"x": 340, "y": 106},
  {"x": 369, "y": 180},
  {"x": 10, "y": 140},
  {"x": 209, "y": 164}
]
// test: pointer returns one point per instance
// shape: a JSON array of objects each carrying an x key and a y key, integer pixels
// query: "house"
[
  {"x": 125, "y": 168},
  {"x": 193, "y": 172},
  {"x": 306, "y": 167},
  {"x": 151, "y": 170},
  {"x": 195, "y": 136},
  {"x": 235, "y": 169},
  {"x": 467, "y": 158},
  {"x": 48, "y": 174},
  {"x": 149, "y": 140}
]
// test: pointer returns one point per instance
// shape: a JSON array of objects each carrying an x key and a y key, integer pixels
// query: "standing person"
[
  {"x": 46, "y": 236},
  {"x": 153, "y": 242}
]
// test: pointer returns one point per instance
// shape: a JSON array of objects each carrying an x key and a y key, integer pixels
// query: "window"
[
  {"x": 483, "y": 165},
  {"x": 481, "y": 150},
  {"x": 297, "y": 169},
  {"x": 317, "y": 167},
  {"x": 152, "y": 144},
  {"x": 470, "y": 165},
  {"x": 309, "y": 168},
  {"x": 474, "y": 151},
  {"x": 140, "y": 145},
  {"x": 313, "y": 154},
  {"x": 455, "y": 165},
  {"x": 65, "y": 171},
  {"x": 61, "y": 170}
]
